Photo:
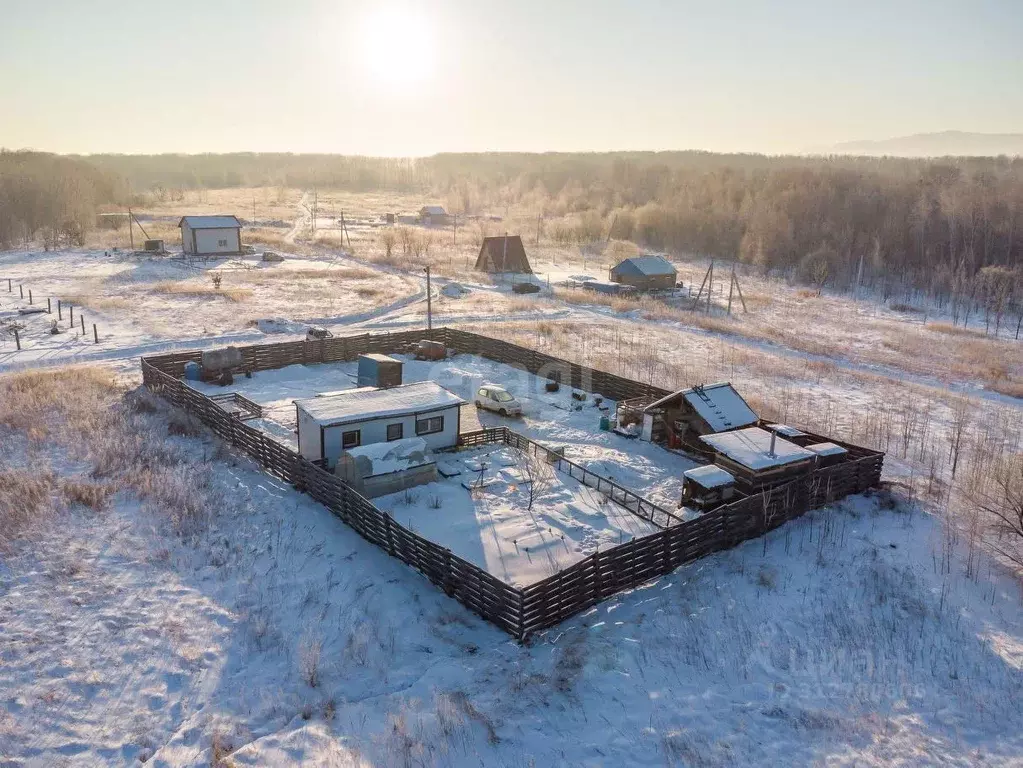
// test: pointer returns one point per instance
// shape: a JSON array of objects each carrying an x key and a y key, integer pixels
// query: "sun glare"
[{"x": 398, "y": 48}]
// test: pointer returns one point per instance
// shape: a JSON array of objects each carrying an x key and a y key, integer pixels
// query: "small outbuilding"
[
  {"x": 759, "y": 459},
  {"x": 210, "y": 235},
  {"x": 682, "y": 417},
  {"x": 434, "y": 216},
  {"x": 330, "y": 425},
  {"x": 828, "y": 454},
  {"x": 379, "y": 371},
  {"x": 707, "y": 487},
  {"x": 645, "y": 273},
  {"x": 504, "y": 253}
]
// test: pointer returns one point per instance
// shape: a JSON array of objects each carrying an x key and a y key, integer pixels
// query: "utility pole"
[
  {"x": 131, "y": 232},
  {"x": 454, "y": 230},
  {"x": 429, "y": 302},
  {"x": 538, "y": 217}
]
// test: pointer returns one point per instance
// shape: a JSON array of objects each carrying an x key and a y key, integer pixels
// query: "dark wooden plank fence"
[{"x": 519, "y": 611}]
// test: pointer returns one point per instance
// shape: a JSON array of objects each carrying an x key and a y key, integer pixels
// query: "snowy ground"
[
  {"x": 870, "y": 633},
  {"x": 495, "y": 528},
  {"x": 835, "y": 640}
]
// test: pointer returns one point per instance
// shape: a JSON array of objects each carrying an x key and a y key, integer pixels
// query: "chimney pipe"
[{"x": 774, "y": 436}]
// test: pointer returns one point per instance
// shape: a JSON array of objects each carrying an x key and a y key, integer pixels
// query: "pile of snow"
[
  {"x": 454, "y": 290},
  {"x": 395, "y": 456},
  {"x": 279, "y": 325}
]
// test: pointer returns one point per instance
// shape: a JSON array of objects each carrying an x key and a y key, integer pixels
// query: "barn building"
[
  {"x": 504, "y": 253},
  {"x": 210, "y": 235},
  {"x": 334, "y": 423},
  {"x": 434, "y": 216},
  {"x": 682, "y": 417},
  {"x": 645, "y": 273}
]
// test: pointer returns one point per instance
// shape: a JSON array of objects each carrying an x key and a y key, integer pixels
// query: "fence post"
[
  {"x": 387, "y": 529},
  {"x": 29, "y": 295},
  {"x": 82, "y": 318},
  {"x": 17, "y": 340},
  {"x": 59, "y": 315},
  {"x": 21, "y": 291},
  {"x": 71, "y": 309},
  {"x": 49, "y": 309},
  {"x": 95, "y": 334}
]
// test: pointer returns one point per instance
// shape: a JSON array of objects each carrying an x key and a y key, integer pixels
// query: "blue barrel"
[
  {"x": 193, "y": 371},
  {"x": 605, "y": 423}
]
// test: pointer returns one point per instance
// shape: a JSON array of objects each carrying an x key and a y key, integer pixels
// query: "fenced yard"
[{"x": 519, "y": 611}]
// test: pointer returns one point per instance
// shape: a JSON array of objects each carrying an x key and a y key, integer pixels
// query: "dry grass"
[
  {"x": 71, "y": 399},
  {"x": 25, "y": 499},
  {"x": 201, "y": 291},
  {"x": 268, "y": 276},
  {"x": 955, "y": 330},
  {"x": 87, "y": 493},
  {"x": 98, "y": 303}
]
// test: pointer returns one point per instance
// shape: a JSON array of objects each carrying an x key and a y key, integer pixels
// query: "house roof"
[
  {"x": 433, "y": 210},
  {"x": 709, "y": 476},
  {"x": 751, "y": 448},
  {"x": 503, "y": 253},
  {"x": 210, "y": 222},
  {"x": 718, "y": 404},
  {"x": 366, "y": 403},
  {"x": 785, "y": 430},
  {"x": 827, "y": 449},
  {"x": 648, "y": 266}
]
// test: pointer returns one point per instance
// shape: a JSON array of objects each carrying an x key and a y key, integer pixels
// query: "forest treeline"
[
  {"x": 51, "y": 198},
  {"x": 940, "y": 224}
]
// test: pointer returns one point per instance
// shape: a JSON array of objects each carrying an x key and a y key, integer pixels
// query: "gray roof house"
[{"x": 646, "y": 273}]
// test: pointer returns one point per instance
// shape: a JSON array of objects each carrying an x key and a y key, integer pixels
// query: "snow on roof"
[
  {"x": 650, "y": 264},
  {"x": 717, "y": 404},
  {"x": 827, "y": 449},
  {"x": 710, "y": 476},
  {"x": 210, "y": 222},
  {"x": 433, "y": 210},
  {"x": 751, "y": 448},
  {"x": 366, "y": 403},
  {"x": 785, "y": 430}
]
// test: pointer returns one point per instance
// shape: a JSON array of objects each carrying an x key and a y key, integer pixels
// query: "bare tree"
[
  {"x": 1005, "y": 506},
  {"x": 537, "y": 476},
  {"x": 387, "y": 239}
]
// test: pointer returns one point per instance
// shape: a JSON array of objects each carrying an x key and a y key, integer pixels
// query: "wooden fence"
[{"x": 520, "y": 612}]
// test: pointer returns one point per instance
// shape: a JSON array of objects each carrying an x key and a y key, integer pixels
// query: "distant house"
[
  {"x": 504, "y": 253},
  {"x": 434, "y": 216},
  {"x": 684, "y": 416},
  {"x": 645, "y": 273},
  {"x": 210, "y": 235},
  {"x": 335, "y": 423}
]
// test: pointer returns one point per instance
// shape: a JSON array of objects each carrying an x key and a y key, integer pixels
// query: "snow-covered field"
[
  {"x": 274, "y": 635},
  {"x": 877, "y": 631}
]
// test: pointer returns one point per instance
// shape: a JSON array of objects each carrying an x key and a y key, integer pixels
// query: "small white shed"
[
  {"x": 206, "y": 235},
  {"x": 332, "y": 424}
]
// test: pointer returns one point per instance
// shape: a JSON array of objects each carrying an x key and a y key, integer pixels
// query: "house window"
[
  {"x": 351, "y": 439},
  {"x": 430, "y": 425},
  {"x": 222, "y": 243},
  {"x": 395, "y": 431}
]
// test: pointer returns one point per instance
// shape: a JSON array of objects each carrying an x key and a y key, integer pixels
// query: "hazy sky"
[{"x": 413, "y": 78}]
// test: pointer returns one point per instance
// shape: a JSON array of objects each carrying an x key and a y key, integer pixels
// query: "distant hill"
[{"x": 938, "y": 144}]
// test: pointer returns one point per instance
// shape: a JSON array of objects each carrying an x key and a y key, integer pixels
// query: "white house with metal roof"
[
  {"x": 331, "y": 424},
  {"x": 210, "y": 235}
]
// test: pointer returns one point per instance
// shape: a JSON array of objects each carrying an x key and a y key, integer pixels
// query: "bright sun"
[{"x": 398, "y": 47}]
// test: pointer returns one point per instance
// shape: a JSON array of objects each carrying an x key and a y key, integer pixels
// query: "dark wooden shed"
[
  {"x": 504, "y": 253},
  {"x": 645, "y": 273}
]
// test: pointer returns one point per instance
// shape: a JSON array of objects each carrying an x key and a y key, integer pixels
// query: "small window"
[
  {"x": 395, "y": 431},
  {"x": 484, "y": 392},
  {"x": 430, "y": 426},
  {"x": 351, "y": 439},
  {"x": 222, "y": 243}
]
